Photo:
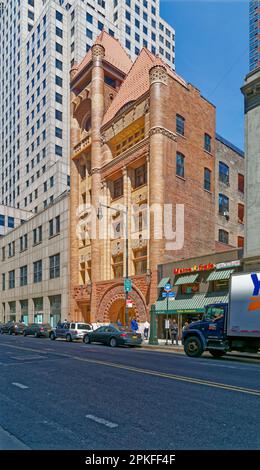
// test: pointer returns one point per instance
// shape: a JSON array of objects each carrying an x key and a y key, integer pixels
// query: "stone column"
[
  {"x": 97, "y": 113},
  {"x": 156, "y": 183},
  {"x": 251, "y": 91},
  {"x": 75, "y": 134}
]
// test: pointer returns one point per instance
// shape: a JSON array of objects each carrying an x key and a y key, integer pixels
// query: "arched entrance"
[
  {"x": 117, "y": 311},
  {"x": 112, "y": 306}
]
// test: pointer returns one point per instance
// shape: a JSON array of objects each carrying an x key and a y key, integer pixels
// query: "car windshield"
[
  {"x": 213, "y": 313},
  {"x": 83, "y": 326}
]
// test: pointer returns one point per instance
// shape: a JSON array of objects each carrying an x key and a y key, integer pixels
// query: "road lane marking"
[
  {"x": 17, "y": 384},
  {"x": 24, "y": 358},
  {"x": 181, "y": 378},
  {"x": 109, "y": 424}
]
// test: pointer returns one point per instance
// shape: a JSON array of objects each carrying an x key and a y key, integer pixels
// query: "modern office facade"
[
  {"x": 230, "y": 195},
  {"x": 10, "y": 218},
  {"x": 40, "y": 41},
  {"x": 34, "y": 267},
  {"x": 254, "y": 34}
]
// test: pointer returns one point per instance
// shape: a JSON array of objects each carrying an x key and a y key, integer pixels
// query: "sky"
[{"x": 212, "y": 53}]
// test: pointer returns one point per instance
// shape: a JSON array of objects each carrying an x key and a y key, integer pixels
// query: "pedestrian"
[
  {"x": 119, "y": 323},
  {"x": 185, "y": 326},
  {"x": 174, "y": 331},
  {"x": 134, "y": 325},
  {"x": 146, "y": 329}
]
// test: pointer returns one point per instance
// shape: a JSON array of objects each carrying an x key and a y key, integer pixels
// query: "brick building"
[
  {"x": 230, "y": 197},
  {"x": 139, "y": 135}
]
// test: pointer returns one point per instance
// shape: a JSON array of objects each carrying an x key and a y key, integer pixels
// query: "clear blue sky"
[{"x": 212, "y": 53}]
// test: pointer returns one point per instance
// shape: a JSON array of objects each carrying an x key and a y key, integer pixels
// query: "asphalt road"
[{"x": 58, "y": 395}]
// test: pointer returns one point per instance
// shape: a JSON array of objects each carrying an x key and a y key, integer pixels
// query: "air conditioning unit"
[{"x": 226, "y": 214}]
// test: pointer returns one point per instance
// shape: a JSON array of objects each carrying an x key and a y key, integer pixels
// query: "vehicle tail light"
[
  {"x": 41, "y": 329},
  {"x": 16, "y": 326},
  {"x": 123, "y": 334}
]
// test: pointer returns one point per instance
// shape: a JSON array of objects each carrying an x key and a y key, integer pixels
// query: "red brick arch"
[{"x": 115, "y": 293}]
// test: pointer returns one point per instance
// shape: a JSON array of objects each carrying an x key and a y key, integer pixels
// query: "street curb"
[{"x": 163, "y": 348}]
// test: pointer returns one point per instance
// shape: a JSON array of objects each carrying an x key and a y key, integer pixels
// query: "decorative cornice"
[{"x": 163, "y": 131}]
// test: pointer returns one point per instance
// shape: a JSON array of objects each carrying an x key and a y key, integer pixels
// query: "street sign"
[
  {"x": 167, "y": 324},
  {"x": 129, "y": 303},
  {"x": 167, "y": 287},
  {"x": 164, "y": 294},
  {"x": 171, "y": 294},
  {"x": 127, "y": 285}
]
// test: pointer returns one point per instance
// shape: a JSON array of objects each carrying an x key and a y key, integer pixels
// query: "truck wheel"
[
  {"x": 216, "y": 353},
  {"x": 52, "y": 336},
  {"x": 193, "y": 347}
]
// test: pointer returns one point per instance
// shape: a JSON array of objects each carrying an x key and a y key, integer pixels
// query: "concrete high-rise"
[
  {"x": 40, "y": 41},
  {"x": 254, "y": 34}
]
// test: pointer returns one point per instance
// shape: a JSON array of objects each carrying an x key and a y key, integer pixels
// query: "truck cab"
[{"x": 208, "y": 333}]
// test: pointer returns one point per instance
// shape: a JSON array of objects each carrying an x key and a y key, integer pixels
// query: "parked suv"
[{"x": 70, "y": 331}]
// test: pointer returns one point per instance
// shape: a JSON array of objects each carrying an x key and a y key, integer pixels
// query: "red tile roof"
[
  {"x": 114, "y": 53},
  {"x": 136, "y": 83}
]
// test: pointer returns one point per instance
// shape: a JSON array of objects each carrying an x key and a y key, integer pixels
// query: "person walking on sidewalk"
[
  {"x": 134, "y": 325},
  {"x": 146, "y": 329},
  {"x": 174, "y": 331}
]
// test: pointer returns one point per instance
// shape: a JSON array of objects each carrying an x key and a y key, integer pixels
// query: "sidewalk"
[
  {"x": 163, "y": 347},
  {"x": 10, "y": 442}
]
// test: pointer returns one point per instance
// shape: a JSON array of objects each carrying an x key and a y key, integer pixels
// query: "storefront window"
[
  {"x": 221, "y": 286},
  {"x": 190, "y": 288}
]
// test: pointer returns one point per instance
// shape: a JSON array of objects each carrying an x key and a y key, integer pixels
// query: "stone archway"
[{"x": 115, "y": 297}]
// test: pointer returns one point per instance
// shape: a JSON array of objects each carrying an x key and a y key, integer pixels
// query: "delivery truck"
[{"x": 233, "y": 326}]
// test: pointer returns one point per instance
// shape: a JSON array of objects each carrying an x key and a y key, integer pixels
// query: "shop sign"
[
  {"x": 194, "y": 269},
  {"x": 230, "y": 264}
]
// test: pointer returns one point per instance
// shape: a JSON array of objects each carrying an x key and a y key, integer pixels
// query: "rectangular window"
[
  {"x": 180, "y": 159},
  {"x": 207, "y": 179},
  {"x": 58, "y": 98},
  {"x": 58, "y": 150},
  {"x": 223, "y": 236},
  {"x": 37, "y": 235},
  {"x": 223, "y": 205},
  {"x": 37, "y": 271},
  {"x": 58, "y": 64},
  {"x": 58, "y": 81},
  {"x": 58, "y": 132},
  {"x": 241, "y": 183},
  {"x": 59, "y": 16},
  {"x": 207, "y": 143},
  {"x": 140, "y": 176},
  {"x": 2, "y": 220},
  {"x": 23, "y": 276},
  {"x": 118, "y": 188},
  {"x": 180, "y": 124},
  {"x": 54, "y": 266},
  {"x": 241, "y": 213},
  {"x": 11, "y": 279},
  {"x": 59, "y": 32},
  {"x": 58, "y": 115}
]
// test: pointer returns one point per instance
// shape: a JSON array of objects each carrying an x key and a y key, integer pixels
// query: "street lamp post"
[{"x": 125, "y": 212}]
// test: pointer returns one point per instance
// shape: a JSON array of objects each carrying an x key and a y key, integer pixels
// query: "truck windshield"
[{"x": 213, "y": 313}]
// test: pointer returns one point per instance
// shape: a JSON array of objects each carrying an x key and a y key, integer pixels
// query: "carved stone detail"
[
  {"x": 98, "y": 51},
  {"x": 158, "y": 73},
  {"x": 163, "y": 131}
]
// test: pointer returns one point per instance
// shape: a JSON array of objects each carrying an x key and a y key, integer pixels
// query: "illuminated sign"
[{"x": 194, "y": 269}]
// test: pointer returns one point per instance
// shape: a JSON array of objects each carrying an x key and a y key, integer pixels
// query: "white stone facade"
[{"x": 34, "y": 267}]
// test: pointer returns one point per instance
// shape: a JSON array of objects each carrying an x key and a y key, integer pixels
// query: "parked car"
[
  {"x": 37, "y": 330},
  {"x": 70, "y": 331},
  {"x": 113, "y": 336},
  {"x": 11, "y": 328}
]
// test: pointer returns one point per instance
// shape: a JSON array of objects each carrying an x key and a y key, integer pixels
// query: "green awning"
[
  {"x": 219, "y": 275},
  {"x": 189, "y": 303},
  {"x": 163, "y": 282},
  {"x": 187, "y": 279}
]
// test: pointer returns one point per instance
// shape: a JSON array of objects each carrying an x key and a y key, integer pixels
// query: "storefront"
[{"x": 196, "y": 282}]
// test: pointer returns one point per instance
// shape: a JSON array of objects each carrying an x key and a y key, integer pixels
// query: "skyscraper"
[
  {"x": 254, "y": 34},
  {"x": 39, "y": 42}
]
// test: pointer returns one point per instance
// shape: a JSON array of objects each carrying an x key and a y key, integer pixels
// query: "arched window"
[{"x": 223, "y": 173}]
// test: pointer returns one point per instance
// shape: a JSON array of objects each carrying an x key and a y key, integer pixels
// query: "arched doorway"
[
  {"x": 112, "y": 305},
  {"x": 117, "y": 311}
]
